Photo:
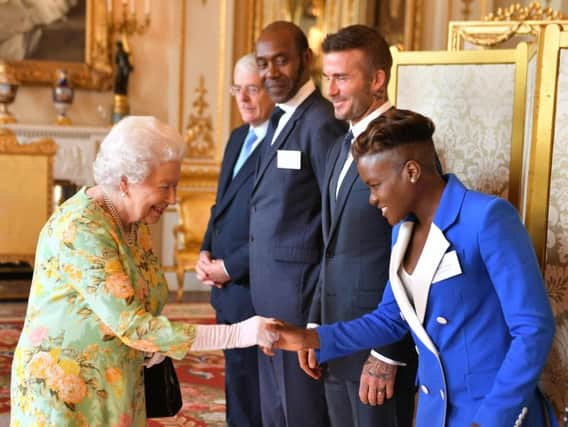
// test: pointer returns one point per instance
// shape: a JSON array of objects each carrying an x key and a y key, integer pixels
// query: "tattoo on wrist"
[{"x": 378, "y": 370}]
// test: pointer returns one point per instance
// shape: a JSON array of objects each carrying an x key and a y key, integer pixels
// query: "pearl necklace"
[{"x": 129, "y": 237}]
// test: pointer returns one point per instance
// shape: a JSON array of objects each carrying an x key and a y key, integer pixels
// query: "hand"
[
  {"x": 254, "y": 331},
  {"x": 154, "y": 359},
  {"x": 216, "y": 272},
  {"x": 309, "y": 363},
  {"x": 377, "y": 381},
  {"x": 293, "y": 338},
  {"x": 211, "y": 272},
  {"x": 203, "y": 260}
]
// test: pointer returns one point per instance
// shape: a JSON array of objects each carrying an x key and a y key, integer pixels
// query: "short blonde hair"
[{"x": 133, "y": 148}]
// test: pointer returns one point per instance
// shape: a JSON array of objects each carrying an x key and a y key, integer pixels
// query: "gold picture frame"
[{"x": 96, "y": 70}]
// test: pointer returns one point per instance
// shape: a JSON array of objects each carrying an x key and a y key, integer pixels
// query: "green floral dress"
[{"x": 93, "y": 311}]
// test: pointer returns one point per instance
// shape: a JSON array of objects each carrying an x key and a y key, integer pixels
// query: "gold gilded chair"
[
  {"x": 26, "y": 186},
  {"x": 193, "y": 212}
]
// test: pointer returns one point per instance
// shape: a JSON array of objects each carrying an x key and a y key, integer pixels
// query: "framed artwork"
[
  {"x": 39, "y": 37},
  {"x": 399, "y": 21}
]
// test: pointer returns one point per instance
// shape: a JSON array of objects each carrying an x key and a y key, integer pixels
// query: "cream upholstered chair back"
[
  {"x": 477, "y": 102},
  {"x": 26, "y": 188}
]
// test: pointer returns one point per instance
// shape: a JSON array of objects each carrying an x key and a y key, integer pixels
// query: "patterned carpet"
[{"x": 201, "y": 375}]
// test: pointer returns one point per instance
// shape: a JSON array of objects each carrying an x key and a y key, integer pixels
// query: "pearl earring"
[
  {"x": 412, "y": 180},
  {"x": 122, "y": 194}
]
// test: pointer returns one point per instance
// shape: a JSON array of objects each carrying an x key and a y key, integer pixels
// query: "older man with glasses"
[{"x": 224, "y": 259}]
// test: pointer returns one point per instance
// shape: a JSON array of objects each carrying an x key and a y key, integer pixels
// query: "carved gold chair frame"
[
  {"x": 546, "y": 217},
  {"x": 514, "y": 22},
  {"x": 94, "y": 73},
  {"x": 26, "y": 185}
]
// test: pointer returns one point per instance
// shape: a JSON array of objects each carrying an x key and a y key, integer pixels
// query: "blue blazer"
[
  {"x": 228, "y": 230},
  {"x": 483, "y": 330},
  {"x": 285, "y": 226}
]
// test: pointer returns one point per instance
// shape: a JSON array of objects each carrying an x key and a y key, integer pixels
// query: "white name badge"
[
  {"x": 289, "y": 159},
  {"x": 449, "y": 267}
]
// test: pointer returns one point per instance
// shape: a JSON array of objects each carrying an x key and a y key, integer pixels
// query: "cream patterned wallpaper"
[
  {"x": 555, "y": 378},
  {"x": 473, "y": 141}
]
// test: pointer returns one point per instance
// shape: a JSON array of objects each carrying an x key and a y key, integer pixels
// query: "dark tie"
[
  {"x": 246, "y": 149},
  {"x": 272, "y": 125},
  {"x": 345, "y": 147}
]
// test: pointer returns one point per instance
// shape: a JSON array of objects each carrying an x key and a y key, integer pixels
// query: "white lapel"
[
  {"x": 397, "y": 256},
  {"x": 434, "y": 249}
]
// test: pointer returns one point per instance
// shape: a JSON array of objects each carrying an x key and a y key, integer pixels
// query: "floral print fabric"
[{"x": 93, "y": 311}]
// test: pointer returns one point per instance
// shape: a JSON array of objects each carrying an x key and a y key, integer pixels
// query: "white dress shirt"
[
  {"x": 291, "y": 105},
  {"x": 357, "y": 129}
]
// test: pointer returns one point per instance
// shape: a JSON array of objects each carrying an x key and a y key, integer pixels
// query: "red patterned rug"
[{"x": 201, "y": 375}]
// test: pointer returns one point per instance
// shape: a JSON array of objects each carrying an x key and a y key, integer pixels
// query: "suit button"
[
  {"x": 329, "y": 254},
  {"x": 251, "y": 238},
  {"x": 217, "y": 232},
  {"x": 424, "y": 389},
  {"x": 442, "y": 320}
]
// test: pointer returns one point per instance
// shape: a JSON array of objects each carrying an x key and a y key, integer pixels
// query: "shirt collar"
[
  {"x": 360, "y": 127},
  {"x": 306, "y": 90},
  {"x": 260, "y": 130}
]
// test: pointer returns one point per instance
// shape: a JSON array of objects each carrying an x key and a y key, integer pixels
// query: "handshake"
[{"x": 265, "y": 332}]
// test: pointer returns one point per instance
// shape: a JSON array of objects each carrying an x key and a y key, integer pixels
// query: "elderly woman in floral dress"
[{"x": 98, "y": 291}]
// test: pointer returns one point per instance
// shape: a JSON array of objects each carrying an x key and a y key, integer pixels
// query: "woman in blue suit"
[{"x": 463, "y": 279}]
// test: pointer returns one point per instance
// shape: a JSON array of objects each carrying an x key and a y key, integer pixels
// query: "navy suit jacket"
[
  {"x": 483, "y": 330},
  {"x": 227, "y": 233},
  {"x": 285, "y": 229},
  {"x": 354, "y": 267}
]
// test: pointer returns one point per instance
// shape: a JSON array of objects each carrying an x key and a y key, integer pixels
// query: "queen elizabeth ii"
[{"x": 98, "y": 290}]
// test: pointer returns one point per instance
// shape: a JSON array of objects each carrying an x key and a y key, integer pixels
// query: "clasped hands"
[{"x": 211, "y": 272}]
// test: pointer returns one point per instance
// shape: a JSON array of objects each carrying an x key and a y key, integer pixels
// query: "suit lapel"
[
  {"x": 271, "y": 150},
  {"x": 235, "y": 185},
  {"x": 397, "y": 256},
  {"x": 326, "y": 214},
  {"x": 229, "y": 160},
  {"x": 434, "y": 249},
  {"x": 344, "y": 190}
]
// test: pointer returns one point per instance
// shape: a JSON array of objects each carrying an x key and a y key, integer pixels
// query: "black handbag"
[{"x": 161, "y": 385}]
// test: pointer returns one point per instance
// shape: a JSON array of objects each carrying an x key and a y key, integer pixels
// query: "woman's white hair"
[{"x": 133, "y": 148}]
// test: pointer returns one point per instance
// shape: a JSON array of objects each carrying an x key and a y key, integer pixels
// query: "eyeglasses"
[{"x": 250, "y": 90}]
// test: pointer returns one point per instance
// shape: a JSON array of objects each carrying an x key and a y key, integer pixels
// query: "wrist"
[{"x": 311, "y": 339}]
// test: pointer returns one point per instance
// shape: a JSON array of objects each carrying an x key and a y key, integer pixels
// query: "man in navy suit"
[
  {"x": 224, "y": 258},
  {"x": 285, "y": 228},
  {"x": 354, "y": 268}
]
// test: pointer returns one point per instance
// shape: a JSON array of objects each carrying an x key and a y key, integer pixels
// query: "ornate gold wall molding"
[
  {"x": 199, "y": 131},
  {"x": 533, "y": 12},
  {"x": 494, "y": 33}
]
